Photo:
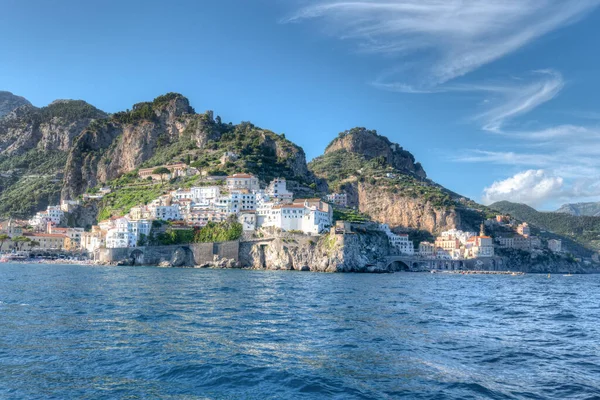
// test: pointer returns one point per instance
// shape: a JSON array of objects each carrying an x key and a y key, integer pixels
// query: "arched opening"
[
  {"x": 137, "y": 257},
  {"x": 398, "y": 266}
]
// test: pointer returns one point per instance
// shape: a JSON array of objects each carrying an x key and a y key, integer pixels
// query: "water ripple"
[{"x": 82, "y": 332}]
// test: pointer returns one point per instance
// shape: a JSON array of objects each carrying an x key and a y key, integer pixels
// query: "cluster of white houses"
[
  {"x": 241, "y": 195},
  {"x": 273, "y": 207}
]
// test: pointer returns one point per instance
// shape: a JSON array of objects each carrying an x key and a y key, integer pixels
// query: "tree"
[
  {"x": 143, "y": 240},
  {"x": 3, "y": 238},
  {"x": 162, "y": 171},
  {"x": 20, "y": 241},
  {"x": 33, "y": 243}
]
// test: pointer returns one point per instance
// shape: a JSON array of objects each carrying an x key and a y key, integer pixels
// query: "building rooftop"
[
  {"x": 242, "y": 176},
  {"x": 49, "y": 235}
]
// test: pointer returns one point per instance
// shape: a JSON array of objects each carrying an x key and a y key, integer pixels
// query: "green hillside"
[{"x": 581, "y": 229}]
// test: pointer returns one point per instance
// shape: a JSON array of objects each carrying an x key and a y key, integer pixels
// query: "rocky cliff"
[
  {"x": 51, "y": 128},
  {"x": 114, "y": 146},
  {"x": 358, "y": 252},
  {"x": 10, "y": 102},
  {"x": 401, "y": 210},
  {"x": 384, "y": 182},
  {"x": 371, "y": 145}
]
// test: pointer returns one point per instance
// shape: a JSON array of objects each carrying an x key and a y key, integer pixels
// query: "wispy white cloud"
[
  {"x": 431, "y": 44},
  {"x": 519, "y": 99},
  {"x": 445, "y": 39}
]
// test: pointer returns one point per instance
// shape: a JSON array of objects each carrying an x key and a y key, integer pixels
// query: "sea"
[{"x": 82, "y": 332}]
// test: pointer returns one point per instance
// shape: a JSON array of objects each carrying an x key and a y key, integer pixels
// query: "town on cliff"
[
  {"x": 247, "y": 212},
  {"x": 80, "y": 184}
]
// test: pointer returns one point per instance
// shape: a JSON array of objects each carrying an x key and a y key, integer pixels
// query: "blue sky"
[{"x": 497, "y": 99}]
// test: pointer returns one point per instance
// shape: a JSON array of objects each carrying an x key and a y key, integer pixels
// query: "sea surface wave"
[{"x": 134, "y": 332}]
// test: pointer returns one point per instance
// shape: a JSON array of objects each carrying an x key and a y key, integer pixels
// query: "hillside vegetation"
[{"x": 581, "y": 229}]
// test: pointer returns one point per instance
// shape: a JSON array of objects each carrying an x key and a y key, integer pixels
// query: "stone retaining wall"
[{"x": 178, "y": 255}]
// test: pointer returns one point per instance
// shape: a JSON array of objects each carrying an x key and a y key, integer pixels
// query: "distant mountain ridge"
[
  {"x": 10, "y": 102},
  {"x": 591, "y": 209}
]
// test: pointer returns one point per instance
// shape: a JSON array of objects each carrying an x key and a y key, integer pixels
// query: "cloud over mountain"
[{"x": 531, "y": 187}]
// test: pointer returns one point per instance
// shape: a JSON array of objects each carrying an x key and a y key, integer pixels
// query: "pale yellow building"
[{"x": 48, "y": 241}]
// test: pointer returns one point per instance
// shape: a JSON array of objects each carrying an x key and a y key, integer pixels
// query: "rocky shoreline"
[{"x": 365, "y": 252}]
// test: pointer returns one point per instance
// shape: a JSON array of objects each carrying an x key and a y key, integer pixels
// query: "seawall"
[{"x": 187, "y": 255}]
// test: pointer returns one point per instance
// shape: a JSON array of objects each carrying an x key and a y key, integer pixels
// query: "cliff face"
[
  {"x": 331, "y": 253},
  {"x": 371, "y": 145},
  {"x": 591, "y": 209},
  {"x": 45, "y": 129},
  {"x": 112, "y": 147},
  {"x": 384, "y": 182},
  {"x": 9, "y": 102},
  {"x": 398, "y": 210}
]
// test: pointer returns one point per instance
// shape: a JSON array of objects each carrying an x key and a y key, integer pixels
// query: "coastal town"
[{"x": 260, "y": 211}]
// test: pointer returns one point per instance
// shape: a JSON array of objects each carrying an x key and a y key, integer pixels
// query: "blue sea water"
[{"x": 82, "y": 332}]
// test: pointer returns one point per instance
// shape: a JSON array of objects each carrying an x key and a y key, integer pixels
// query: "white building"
[
  {"x": 199, "y": 217},
  {"x": 182, "y": 194},
  {"x": 166, "y": 213},
  {"x": 399, "y": 241},
  {"x": 125, "y": 232},
  {"x": 462, "y": 236},
  {"x": 277, "y": 189},
  {"x": 205, "y": 194},
  {"x": 311, "y": 216},
  {"x": 248, "y": 220},
  {"x": 242, "y": 181},
  {"x": 52, "y": 214},
  {"x": 339, "y": 199},
  {"x": 119, "y": 236},
  {"x": 138, "y": 228}
]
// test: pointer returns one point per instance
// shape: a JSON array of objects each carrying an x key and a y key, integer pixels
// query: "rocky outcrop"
[
  {"x": 371, "y": 145},
  {"x": 107, "y": 149},
  {"x": 591, "y": 209},
  {"x": 358, "y": 252},
  {"x": 398, "y": 210},
  {"x": 51, "y": 128},
  {"x": 83, "y": 216},
  {"x": 10, "y": 102}
]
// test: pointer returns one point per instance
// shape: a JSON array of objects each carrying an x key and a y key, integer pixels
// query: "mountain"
[
  {"x": 9, "y": 102},
  {"x": 70, "y": 147},
  {"x": 385, "y": 182},
  {"x": 581, "y": 209},
  {"x": 584, "y": 230},
  {"x": 34, "y": 144},
  {"x": 169, "y": 130}
]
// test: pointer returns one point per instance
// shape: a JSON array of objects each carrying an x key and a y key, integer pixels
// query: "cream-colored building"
[
  {"x": 48, "y": 241},
  {"x": 426, "y": 249},
  {"x": 242, "y": 181}
]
